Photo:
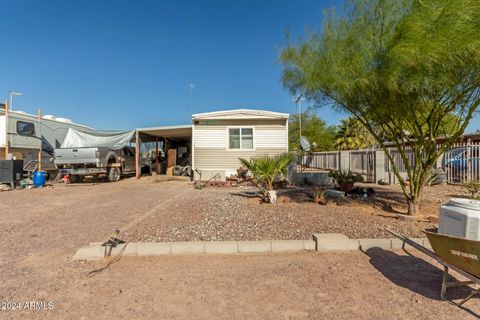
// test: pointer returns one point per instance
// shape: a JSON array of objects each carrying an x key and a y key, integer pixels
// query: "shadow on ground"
[
  {"x": 383, "y": 200},
  {"x": 299, "y": 195},
  {"x": 414, "y": 274}
]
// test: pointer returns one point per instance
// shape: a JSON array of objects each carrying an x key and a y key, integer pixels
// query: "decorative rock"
[
  {"x": 405, "y": 217},
  {"x": 335, "y": 193}
]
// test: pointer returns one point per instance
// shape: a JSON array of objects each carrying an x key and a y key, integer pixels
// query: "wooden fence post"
[
  {"x": 137, "y": 155},
  {"x": 7, "y": 141},
  {"x": 156, "y": 155},
  {"x": 40, "y": 150}
]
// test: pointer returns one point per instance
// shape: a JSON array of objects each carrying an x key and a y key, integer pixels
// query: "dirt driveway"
[{"x": 41, "y": 229}]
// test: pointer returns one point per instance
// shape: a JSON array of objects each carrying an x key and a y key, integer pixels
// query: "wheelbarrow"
[{"x": 458, "y": 254}]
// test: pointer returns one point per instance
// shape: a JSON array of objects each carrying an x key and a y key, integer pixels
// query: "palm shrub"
[{"x": 266, "y": 168}]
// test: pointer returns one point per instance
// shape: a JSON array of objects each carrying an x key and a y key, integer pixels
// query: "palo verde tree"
[{"x": 402, "y": 68}]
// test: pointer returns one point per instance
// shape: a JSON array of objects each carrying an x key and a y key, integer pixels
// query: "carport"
[{"x": 171, "y": 137}]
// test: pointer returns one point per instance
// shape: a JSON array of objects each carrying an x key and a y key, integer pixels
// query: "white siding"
[
  {"x": 265, "y": 136},
  {"x": 211, "y": 154},
  {"x": 210, "y": 137},
  {"x": 270, "y": 137}
]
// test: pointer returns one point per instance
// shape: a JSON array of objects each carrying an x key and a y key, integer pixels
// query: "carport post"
[
  {"x": 137, "y": 155},
  {"x": 156, "y": 154}
]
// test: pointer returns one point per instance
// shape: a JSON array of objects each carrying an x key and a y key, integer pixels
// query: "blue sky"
[{"x": 125, "y": 64}]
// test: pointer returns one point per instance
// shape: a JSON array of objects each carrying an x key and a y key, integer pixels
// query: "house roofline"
[{"x": 240, "y": 114}]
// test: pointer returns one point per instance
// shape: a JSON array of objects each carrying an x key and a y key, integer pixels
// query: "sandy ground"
[{"x": 41, "y": 229}]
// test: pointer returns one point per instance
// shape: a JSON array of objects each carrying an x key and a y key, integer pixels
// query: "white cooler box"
[{"x": 460, "y": 218}]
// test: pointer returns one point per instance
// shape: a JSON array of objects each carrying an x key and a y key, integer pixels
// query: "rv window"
[{"x": 25, "y": 128}]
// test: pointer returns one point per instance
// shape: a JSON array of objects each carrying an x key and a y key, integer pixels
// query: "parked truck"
[
  {"x": 460, "y": 162},
  {"x": 95, "y": 161}
]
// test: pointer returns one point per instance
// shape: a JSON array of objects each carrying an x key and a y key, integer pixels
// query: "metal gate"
[
  {"x": 461, "y": 162},
  {"x": 363, "y": 162}
]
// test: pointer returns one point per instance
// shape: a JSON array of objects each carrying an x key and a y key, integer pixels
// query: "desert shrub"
[
  {"x": 474, "y": 188},
  {"x": 266, "y": 168},
  {"x": 318, "y": 195}
]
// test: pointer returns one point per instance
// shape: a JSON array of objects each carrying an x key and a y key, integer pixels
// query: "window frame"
[
  {"x": 240, "y": 127},
  {"x": 34, "y": 134}
]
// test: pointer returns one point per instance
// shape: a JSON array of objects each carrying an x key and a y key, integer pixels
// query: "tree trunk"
[{"x": 413, "y": 206}]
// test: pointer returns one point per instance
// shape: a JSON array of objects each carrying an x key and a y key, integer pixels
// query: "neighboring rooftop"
[{"x": 45, "y": 117}]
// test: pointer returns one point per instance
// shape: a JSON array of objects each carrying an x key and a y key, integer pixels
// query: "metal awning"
[{"x": 180, "y": 132}]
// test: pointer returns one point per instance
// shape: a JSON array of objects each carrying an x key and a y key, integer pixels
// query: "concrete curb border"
[{"x": 326, "y": 242}]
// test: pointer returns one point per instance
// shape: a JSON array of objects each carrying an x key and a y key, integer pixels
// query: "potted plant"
[
  {"x": 266, "y": 169},
  {"x": 345, "y": 179}
]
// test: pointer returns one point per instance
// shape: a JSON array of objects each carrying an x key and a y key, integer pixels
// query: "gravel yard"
[
  {"x": 215, "y": 214},
  {"x": 40, "y": 230}
]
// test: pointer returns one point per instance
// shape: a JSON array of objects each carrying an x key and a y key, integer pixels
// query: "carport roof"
[{"x": 183, "y": 132}]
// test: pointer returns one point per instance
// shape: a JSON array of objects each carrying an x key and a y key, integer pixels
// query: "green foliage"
[
  {"x": 267, "y": 168},
  {"x": 344, "y": 177},
  {"x": 408, "y": 70},
  {"x": 314, "y": 129},
  {"x": 474, "y": 188},
  {"x": 353, "y": 135}
]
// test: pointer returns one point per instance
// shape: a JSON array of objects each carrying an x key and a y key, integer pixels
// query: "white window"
[{"x": 240, "y": 138}]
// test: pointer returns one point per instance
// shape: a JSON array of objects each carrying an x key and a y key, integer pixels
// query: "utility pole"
[
  {"x": 298, "y": 101},
  {"x": 13, "y": 93}
]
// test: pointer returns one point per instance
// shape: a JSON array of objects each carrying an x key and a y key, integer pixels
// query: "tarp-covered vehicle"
[{"x": 96, "y": 153}]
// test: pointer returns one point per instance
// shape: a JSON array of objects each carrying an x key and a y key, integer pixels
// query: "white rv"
[{"x": 27, "y": 134}]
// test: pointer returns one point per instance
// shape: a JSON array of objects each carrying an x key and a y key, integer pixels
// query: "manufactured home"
[
  {"x": 27, "y": 134},
  {"x": 220, "y": 138},
  {"x": 214, "y": 141}
]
